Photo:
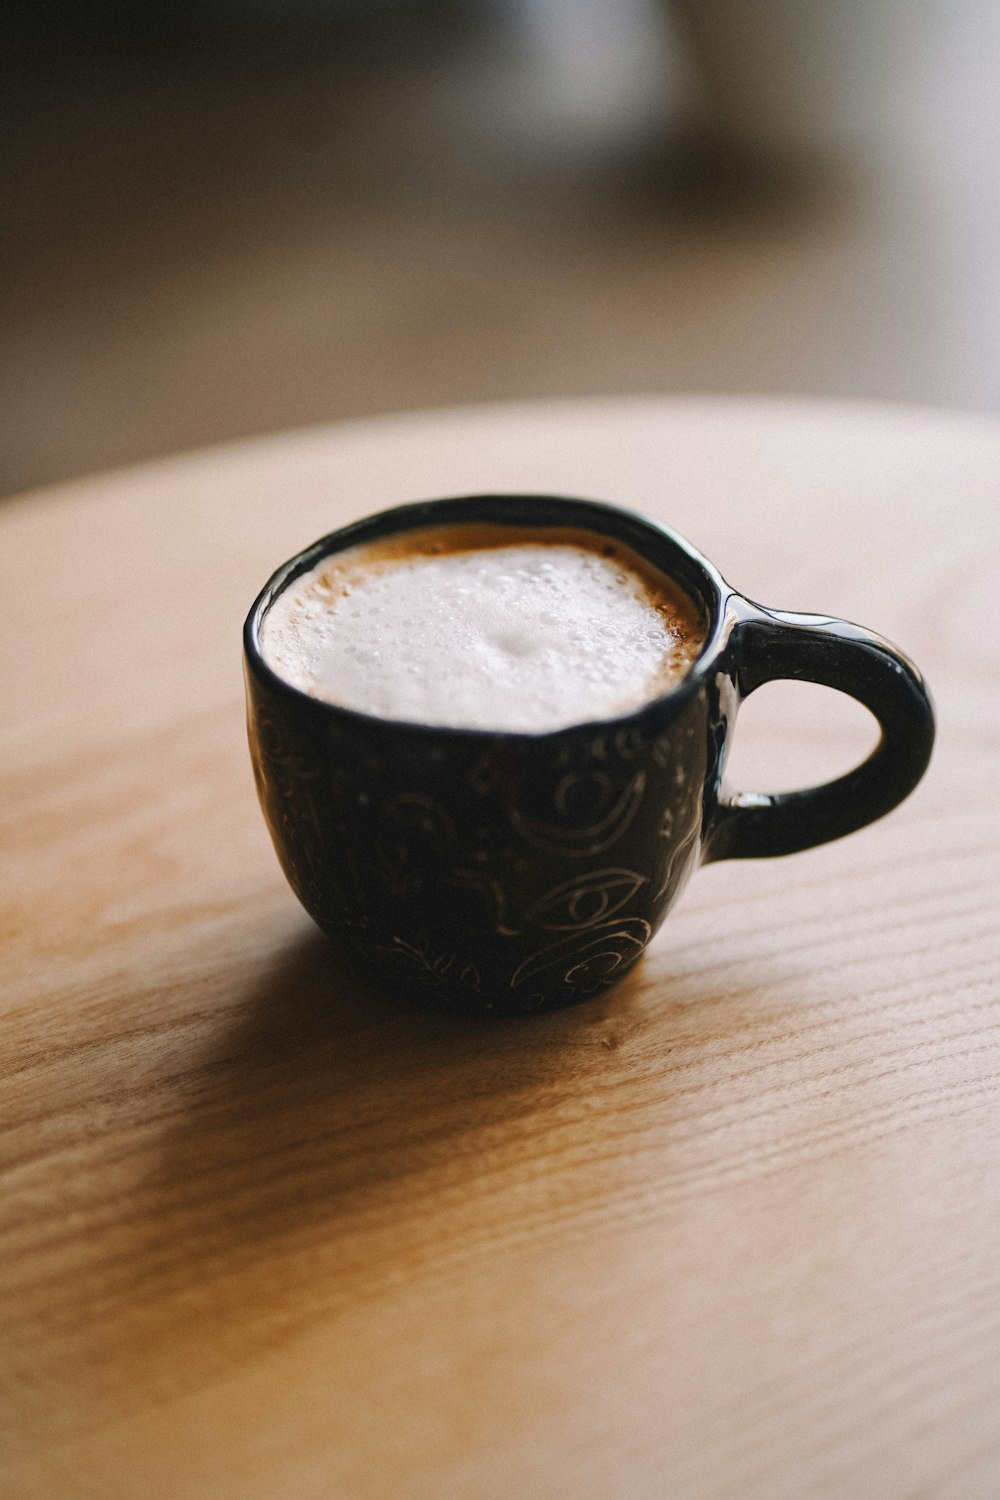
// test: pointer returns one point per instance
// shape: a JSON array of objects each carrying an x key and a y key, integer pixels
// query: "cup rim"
[{"x": 629, "y": 526}]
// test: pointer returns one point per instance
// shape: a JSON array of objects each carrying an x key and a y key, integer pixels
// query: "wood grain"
[{"x": 729, "y": 1231}]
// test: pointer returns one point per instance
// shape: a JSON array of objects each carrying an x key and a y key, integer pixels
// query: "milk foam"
[{"x": 533, "y": 635}]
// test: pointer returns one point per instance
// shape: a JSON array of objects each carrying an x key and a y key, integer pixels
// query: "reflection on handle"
[{"x": 770, "y": 644}]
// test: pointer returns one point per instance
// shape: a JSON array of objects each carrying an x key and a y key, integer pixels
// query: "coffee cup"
[{"x": 483, "y": 868}]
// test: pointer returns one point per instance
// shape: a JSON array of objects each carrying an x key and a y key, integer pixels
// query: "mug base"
[{"x": 411, "y": 983}]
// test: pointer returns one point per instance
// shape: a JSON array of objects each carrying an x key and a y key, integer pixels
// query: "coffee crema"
[{"x": 484, "y": 627}]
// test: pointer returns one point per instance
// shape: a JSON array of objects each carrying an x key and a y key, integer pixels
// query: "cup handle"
[{"x": 767, "y": 644}]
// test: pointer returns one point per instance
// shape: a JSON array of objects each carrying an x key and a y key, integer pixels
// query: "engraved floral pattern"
[
  {"x": 430, "y": 967},
  {"x": 473, "y": 876}
]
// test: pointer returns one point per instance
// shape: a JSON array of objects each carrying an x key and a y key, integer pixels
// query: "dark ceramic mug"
[{"x": 507, "y": 872}]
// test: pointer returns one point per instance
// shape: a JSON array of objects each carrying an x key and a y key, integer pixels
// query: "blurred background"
[{"x": 223, "y": 217}]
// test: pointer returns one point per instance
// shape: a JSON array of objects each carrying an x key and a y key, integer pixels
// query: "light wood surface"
[{"x": 729, "y": 1231}]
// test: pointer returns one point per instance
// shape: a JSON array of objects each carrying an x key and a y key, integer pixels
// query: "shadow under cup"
[{"x": 482, "y": 871}]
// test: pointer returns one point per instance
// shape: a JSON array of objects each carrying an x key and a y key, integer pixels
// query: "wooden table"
[{"x": 731, "y": 1231}]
